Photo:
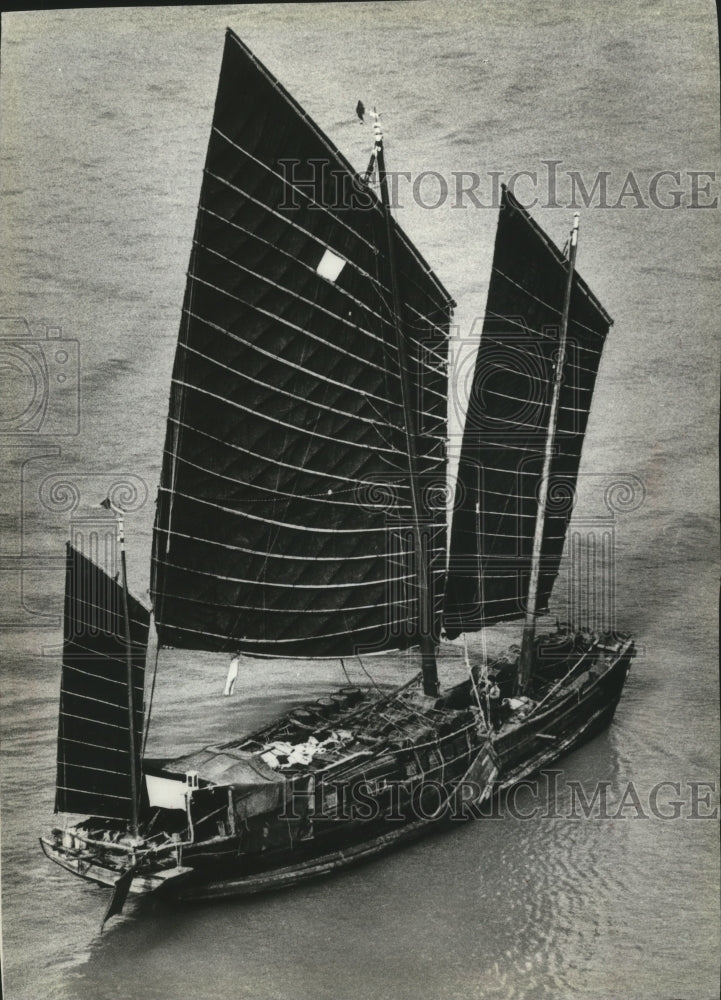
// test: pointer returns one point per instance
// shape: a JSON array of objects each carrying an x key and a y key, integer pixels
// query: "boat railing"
[
  {"x": 116, "y": 846},
  {"x": 565, "y": 677}
]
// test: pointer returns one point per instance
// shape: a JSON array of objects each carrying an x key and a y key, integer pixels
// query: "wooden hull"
[
  {"x": 517, "y": 752},
  {"x": 480, "y": 775},
  {"x": 523, "y": 749},
  {"x": 219, "y": 868}
]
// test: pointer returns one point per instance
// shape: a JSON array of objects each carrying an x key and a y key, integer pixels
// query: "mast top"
[{"x": 574, "y": 229}]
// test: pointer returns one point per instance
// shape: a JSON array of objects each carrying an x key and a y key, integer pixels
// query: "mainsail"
[
  {"x": 93, "y": 772},
  {"x": 283, "y": 518},
  {"x": 502, "y": 450}
]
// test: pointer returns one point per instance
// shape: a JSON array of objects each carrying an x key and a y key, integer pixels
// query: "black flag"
[{"x": 360, "y": 110}]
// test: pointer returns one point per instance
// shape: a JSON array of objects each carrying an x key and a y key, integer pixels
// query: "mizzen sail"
[
  {"x": 93, "y": 763},
  {"x": 283, "y": 515},
  {"x": 505, "y": 432}
]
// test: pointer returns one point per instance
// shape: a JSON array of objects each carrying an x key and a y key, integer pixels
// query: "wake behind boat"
[{"x": 300, "y": 514}]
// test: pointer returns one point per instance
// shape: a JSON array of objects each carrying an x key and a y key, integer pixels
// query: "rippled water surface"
[{"x": 105, "y": 118}]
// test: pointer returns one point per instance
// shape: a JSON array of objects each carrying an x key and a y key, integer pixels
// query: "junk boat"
[{"x": 301, "y": 513}]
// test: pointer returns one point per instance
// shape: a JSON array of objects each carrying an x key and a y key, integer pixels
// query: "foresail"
[
  {"x": 502, "y": 450},
  {"x": 93, "y": 764},
  {"x": 283, "y": 519}
]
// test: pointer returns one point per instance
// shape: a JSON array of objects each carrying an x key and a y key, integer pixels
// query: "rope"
[
  {"x": 350, "y": 683},
  {"x": 369, "y": 676},
  {"x": 150, "y": 704}
]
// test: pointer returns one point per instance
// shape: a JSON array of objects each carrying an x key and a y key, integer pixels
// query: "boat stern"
[{"x": 105, "y": 862}]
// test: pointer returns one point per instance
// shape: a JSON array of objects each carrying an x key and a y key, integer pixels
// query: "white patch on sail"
[{"x": 330, "y": 266}]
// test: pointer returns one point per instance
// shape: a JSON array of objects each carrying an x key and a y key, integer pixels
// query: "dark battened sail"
[
  {"x": 285, "y": 487},
  {"x": 93, "y": 773},
  {"x": 502, "y": 450}
]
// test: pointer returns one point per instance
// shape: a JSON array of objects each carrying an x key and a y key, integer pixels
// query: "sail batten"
[
  {"x": 504, "y": 438},
  {"x": 283, "y": 512},
  {"x": 93, "y": 759},
  {"x": 300, "y": 116}
]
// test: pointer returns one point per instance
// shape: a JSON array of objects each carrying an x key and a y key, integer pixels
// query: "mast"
[
  {"x": 108, "y": 505},
  {"x": 425, "y": 609},
  {"x": 529, "y": 626}
]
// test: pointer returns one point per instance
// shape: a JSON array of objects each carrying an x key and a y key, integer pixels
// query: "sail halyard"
[
  {"x": 285, "y": 488},
  {"x": 525, "y": 666},
  {"x": 504, "y": 437}
]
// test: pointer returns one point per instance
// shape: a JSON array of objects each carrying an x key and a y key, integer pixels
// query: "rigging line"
[
  {"x": 105, "y": 658},
  {"x": 316, "y": 239},
  {"x": 280, "y": 319},
  {"x": 510, "y": 471},
  {"x": 548, "y": 305},
  {"x": 89, "y": 767},
  {"x": 286, "y": 392},
  {"x": 88, "y": 697},
  {"x": 254, "y": 655},
  {"x": 314, "y": 638},
  {"x": 95, "y": 746},
  {"x": 110, "y": 586},
  {"x": 294, "y": 187},
  {"x": 534, "y": 402},
  {"x": 571, "y": 437},
  {"x": 518, "y": 537},
  {"x": 283, "y": 524},
  {"x": 290, "y": 292},
  {"x": 368, "y": 674},
  {"x": 525, "y": 328},
  {"x": 345, "y": 672},
  {"x": 381, "y": 291},
  {"x": 105, "y": 614},
  {"x": 321, "y": 136},
  {"x": 299, "y": 263},
  {"x": 277, "y": 358},
  {"x": 276, "y": 492},
  {"x": 274, "y": 461},
  {"x": 275, "y": 420},
  {"x": 336, "y": 585},
  {"x": 95, "y": 722},
  {"x": 396, "y": 468},
  {"x": 508, "y": 345},
  {"x": 510, "y": 421},
  {"x": 505, "y": 512},
  {"x": 313, "y": 202},
  {"x": 286, "y": 322},
  {"x": 103, "y": 795},
  {"x": 353, "y": 324},
  {"x": 98, "y": 677},
  {"x": 150, "y": 704},
  {"x": 279, "y": 555}
]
